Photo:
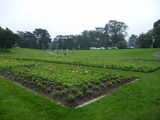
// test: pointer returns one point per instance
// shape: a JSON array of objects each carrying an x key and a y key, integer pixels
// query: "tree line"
[
  {"x": 38, "y": 39},
  {"x": 113, "y": 34}
]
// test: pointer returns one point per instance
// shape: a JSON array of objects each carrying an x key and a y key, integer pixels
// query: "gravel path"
[
  {"x": 51, "y": 53},
  {"x": 157, "y": 54}
]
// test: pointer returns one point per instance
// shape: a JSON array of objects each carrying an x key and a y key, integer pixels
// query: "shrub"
[
  {"x": 65, "y": 91},
  {"x": 96, "y": 88},
  {"x": 79, "y": 94},
  {"x": 109, "y": 84},
  {"x": 74, "y": 90},
  {"x": 49, "y": 89},
  {"x": 89, "y": 85},
  {"x": 97, "y": 82},
  {"x": 84, "y": 87},
  {"x": 70, "y": 98},
  {"x": 102, "y": 85},
  {"x": 89, "y": 92},
  {"x": 119, "y": 80},
  {"x": 59, "y": 87}
]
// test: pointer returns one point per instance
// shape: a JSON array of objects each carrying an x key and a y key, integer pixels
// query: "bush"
[
  {"x": 70, "y": 98},
  {"x": 84, "y": 87},
  {"x": 102, "y": 85},
  {"x": 79, "y": 94},
  {"x": 96, "y": 88},
  {"x": 89, "y": 92},
  {"x": 109, "y": 84},
  {"x": 74, "y": 90}
]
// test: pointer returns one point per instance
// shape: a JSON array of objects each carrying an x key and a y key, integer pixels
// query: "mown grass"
[
  {"x": 136, "y": 101},
  {"x": 108, "y": 54}
]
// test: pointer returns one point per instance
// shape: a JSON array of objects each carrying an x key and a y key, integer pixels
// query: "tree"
[
  {"x": 151, "y": 38},
  {"x": 27, "y": 40},
  {"x": 42, "y": 37},
  {"x": 64, "y": 42},
  {"x": 122, "y": 44},
  {"x": 132, "y": 40},
  {"x": 7, "y": 38},
  {"x": 156, "y": 34},
  {"x": 2, "y": 38},
  {"x": 102, "y": 37},
  {"x": 116, "y": 31},
  {"x": 145, "y": 39},
  {"x": 84, "y": 40}
]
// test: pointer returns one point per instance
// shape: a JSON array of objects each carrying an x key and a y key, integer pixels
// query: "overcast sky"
[{"x": 64, "y": 17}]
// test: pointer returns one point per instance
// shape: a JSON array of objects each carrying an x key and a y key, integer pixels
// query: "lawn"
[{"x": 137, "y": 100}]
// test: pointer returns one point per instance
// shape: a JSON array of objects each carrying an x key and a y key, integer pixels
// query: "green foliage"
[
  {"x": 79, "y": 94},
  {"x": 74, "y": 90},
  {"x": 156, "y": 34},
  {"x": 84, "y": 87},
  {"x": 116, "y": 30},
  {"x": 151, "y": 38},
  {"x": 102, "y": 85},
  {"x": 132, "y": 40},
  {"x": 109, "y": 84},
  {"x": 70, "y": 98},
  {"x": 95, "y": 87},
  {"x": 7, "y": 39},
  {"x": 89, "y": 92},
  {"x": 100, "y": 37},
  {"x": 145, "y": 39},
  {"x": 49, "y": 89},
  {"x": 122, "y": 44},
  {"x": 38, "y": 39}
]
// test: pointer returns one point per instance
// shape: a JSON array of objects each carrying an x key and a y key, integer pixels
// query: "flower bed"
[{"x": 68, "y": 84}]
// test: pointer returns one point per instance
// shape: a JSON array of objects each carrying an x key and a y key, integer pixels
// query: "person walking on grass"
[
  {"x": 73, "y": 52},
  {"x": 65, "y": 53},
  {"x": 57, "y": 51}
]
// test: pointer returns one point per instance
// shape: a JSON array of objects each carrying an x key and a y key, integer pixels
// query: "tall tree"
[
  {"x": 85, "y": 41},
  {"x": 27, "y": 40},
  {"x": 156, "y": 34},
  {"x": 42, "y": 37},
  {"x": 116, "y": 31},
  {"x": 132, "y": 40},
  {"x": 7, "y": 38},
  {"x": 64, "y": 41}
]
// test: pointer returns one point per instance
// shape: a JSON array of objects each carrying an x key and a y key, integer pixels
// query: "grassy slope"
[
  {"x": 121, "y": 53},
  {"x": 139, "y": 100}
]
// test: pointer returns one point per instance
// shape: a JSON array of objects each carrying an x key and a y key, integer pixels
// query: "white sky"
[{"x": 64, "y": 17}]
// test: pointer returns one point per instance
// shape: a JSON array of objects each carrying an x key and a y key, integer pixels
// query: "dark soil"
[{"x": 63, "y": 99}]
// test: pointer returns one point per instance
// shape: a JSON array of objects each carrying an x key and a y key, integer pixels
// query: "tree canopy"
[
  {"x": 113, "y": 34},
  {"x": 156, "y": 33},
  {"x": 7, "y": 38},
  {"x": 151, "y": 38},
  {"x": 132, "y": 40},
  {"x": 38, "y": 39}
]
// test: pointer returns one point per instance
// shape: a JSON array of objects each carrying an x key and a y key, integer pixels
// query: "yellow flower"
[{"x": 86, "y": 71}]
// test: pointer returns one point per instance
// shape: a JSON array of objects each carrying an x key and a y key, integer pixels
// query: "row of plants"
[
  {"x": 8, "y": 63},
  {"x": 123, "y": 64},
  {"x": 67, "y": 82}
]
